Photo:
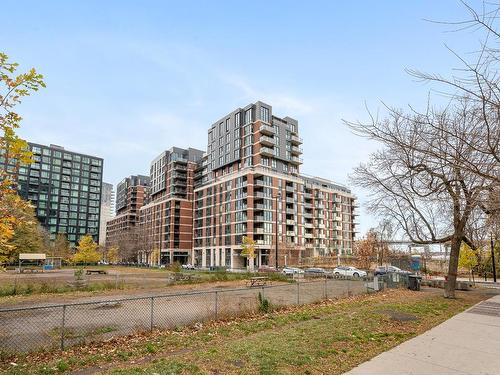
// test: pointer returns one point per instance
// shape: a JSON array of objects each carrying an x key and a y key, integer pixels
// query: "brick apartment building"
[
  {"x": 248, "y": 183},
  {"x": 122, "y": 230},
  {"x": 167, "y": 219}
]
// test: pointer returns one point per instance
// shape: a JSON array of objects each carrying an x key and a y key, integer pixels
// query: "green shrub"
[{"x": 264, "y": 304}]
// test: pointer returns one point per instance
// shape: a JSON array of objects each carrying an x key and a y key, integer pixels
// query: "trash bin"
[{"x": 414, "y": 282}]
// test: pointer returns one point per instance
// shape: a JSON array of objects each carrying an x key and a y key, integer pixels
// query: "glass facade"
[{"x": 65, "y": 188}]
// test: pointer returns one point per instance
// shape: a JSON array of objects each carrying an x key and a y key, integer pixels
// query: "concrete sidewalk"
[{"x": 468, "y": 343}]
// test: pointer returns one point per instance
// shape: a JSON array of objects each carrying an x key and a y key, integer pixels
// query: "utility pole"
[{"x": 493, "y": 258}]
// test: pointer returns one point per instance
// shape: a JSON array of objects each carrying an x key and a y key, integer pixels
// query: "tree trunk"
[{"x": 449, "y": 290}]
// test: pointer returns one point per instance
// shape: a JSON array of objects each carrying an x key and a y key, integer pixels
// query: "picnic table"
[
  {"x": 101, "y": 272},
  {"x": 258, "y": 281}
]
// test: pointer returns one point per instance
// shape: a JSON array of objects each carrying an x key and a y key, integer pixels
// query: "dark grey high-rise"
[{"x": 65, "y": 188}]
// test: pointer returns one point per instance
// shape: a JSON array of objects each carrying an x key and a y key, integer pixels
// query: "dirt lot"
[{"x": 29, "y": 325}]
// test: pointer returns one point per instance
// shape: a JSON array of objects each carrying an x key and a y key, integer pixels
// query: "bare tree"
[
  {"x": 438, "y": 171},
  {"x": 421, "y": 180}
]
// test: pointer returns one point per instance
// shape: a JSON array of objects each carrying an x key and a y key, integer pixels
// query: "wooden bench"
[
  {"x": 258, "y": 281},
  {"x": 100, "y": 272}
]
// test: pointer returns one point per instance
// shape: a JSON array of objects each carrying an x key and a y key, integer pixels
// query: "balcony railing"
[
  {"x": 296, "y": 139},
  {"x": 266, "y": 129},
  {"x": 266, "y": 151},
  {"x": 265, "y": 140}
]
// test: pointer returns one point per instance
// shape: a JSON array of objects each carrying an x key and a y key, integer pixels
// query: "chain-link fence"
[{"x": 60, "y": 326}]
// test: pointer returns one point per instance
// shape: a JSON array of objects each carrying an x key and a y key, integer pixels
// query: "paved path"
[{"x": 468, "y": 343}]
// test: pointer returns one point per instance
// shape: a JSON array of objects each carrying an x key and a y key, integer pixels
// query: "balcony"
[
  {"x": 179, "y": 183},
  {"x": 259, "y": 230},
  {"x": 296, "y": 140},
  {"x": 290, "y": 211},
  {"x": 266, "y": 129},
  {"x": 265, "y": 140},
  {"x": 307, "y": 214},
  {"x": 296, "y": 150},
  {"x": 308, "y": 235},
  {"x": 290, "y": 233},
  {"x": 258, "y": 218},
  {"x": 259, "y": 206},
  {"x": 180, "y": 175},
  {"x": 322, "y": 226},
  {"x": 320, "y": 206},
  {"x": 290, "y": 222},
  {"x": 267, "y": 151},
  {"x": 289, "y": 188},
  {"x": 307, "y": 195},
  {"x": 260, "y": 194},
  {"x": 260, "y": 183},
  {"x": 295, "y": 160}
]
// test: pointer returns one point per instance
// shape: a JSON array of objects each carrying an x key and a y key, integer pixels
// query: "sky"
[{"x": 129, "y": 79}]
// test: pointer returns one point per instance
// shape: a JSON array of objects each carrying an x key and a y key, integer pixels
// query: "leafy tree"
[
  {"x": 13, "y": 149},
  {"x": 112, "y": 254},
  {"x": 155, "y": 256},
  {"x": 467, "y": 258},
  {"x": 61, "y": 247},
  {"x": 17, "y": 219},
  {"x": 86, "y": 251},
  {"x": 248, "y": 251}
]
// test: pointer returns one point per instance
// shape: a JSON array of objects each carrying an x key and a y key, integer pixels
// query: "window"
[
  {"x": 248, "y": 116},
  {"x": 228, "y": 138},
  {"x": 220, "y": 128},
  {"x": 264, "y": 114},
  {"x": 227, "y": 125},
  {"x": 236, "y": 120}
]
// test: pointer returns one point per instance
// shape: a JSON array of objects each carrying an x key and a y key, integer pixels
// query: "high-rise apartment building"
[
  {"x": 107, "y": 210},
  {"x": 131, "y": 194},
  {"x": 65, "y": 188},
  {"x": 167, "y": 220},
  {"x": 249, "y": 184}
]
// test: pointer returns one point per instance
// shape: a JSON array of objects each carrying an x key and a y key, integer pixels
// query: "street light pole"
[
  {"x": 493, "y": 258},
  {"x": 278, "y": 196}
]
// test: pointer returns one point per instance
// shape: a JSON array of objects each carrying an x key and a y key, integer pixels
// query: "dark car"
[{"x": 383, "y": 270}]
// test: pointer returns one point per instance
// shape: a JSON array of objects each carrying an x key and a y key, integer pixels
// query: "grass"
[
  {"x": 329, "y": 337},
  {"x": 43, "y": 287}
]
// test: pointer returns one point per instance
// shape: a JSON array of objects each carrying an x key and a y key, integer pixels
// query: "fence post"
[
  {"x": 326, "y": 288},
  {"x": 151, "y": 314},
  {"x": 348, "y": 287},
  {"x": 216, "y": 305},
  {"x": 63, "y": 325},
  {"x": 298, "y": 293}
]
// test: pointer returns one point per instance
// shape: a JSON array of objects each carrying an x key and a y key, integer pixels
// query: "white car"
[
  {"x": 349, "y": 271},
  {"x": 187, "y": 267},
  {"x": 292, "y": 271}
]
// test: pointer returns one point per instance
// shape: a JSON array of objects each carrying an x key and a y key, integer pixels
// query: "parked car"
[
  {"x": 383, "y": 270},
  {"x": 267, "y": 269},
  {"x": 315, "y": 271},
  {"x": 187, "y": 266},
  {"x": 292, "y": 271},
  {"x": 349, "y": 271}
]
